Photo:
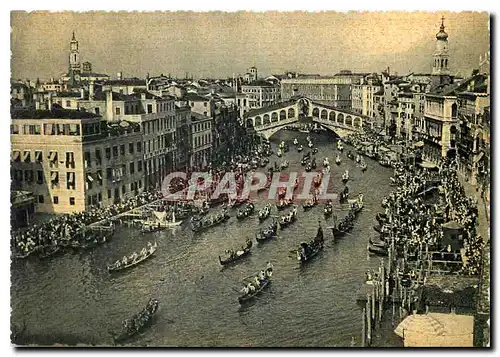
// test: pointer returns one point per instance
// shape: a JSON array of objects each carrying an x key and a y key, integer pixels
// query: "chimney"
[
  {"x": 82, "y": 93},
  {"x": 91, "y": 90},
  {"x": 109, "y": 105},
  {"x": 51, "y": 79},
  {"x": 143, "y": 95}
]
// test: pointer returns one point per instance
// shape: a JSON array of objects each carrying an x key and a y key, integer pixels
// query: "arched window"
[
  {"x": 446, "y": 63},
  {"x": 316, "y": 112}
]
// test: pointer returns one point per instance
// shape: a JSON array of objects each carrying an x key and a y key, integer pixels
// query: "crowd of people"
[
  {"x": 463, "y": 210},
  {"x": 71, "y": 227},
  {"x": 417, "y": 224}
]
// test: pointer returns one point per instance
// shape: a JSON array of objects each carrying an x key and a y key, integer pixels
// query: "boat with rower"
[
  {"x": 284, "y": 164},
  {"x": 338, "y": 160},
  {"x": 377, "y": 250},
  {"x": 268, "y": 233},
  {"x": 344, "y": 195},
  {"x": 256, "y": 284},
  {"x": 315, "y": 150},
  {"x": 310, "y": 203},
  {"x": 283, "y": 203},
  {"x": 233, "y": 256},
  {"x": 198, "y": 224},
  {"x": 385, "y": 162},
  {"x": 265, "y": 212},
  {"x": 328, "y": 210},
  {"x": 308, "y": 167},
  {"x": 300, "y": 148},
  {"x": 356, "y": 205},
  {"x": 138, "y": 323},
  {"x": 345, "y": 176},
  {"x": 289, "y": 218},
  {"x": 309, "y": 250},
  {"x": 313, "y": 163},
  {"x": 134, "y": 259},
  {"x": 363, "y": 167},
  {"x": 295, "y": 141},
  {"x": 326, "y": 162},
  {"x": 279, "y": 153},
  {"x": 350, "y": 155},
  {"x": 246, "y": 211},
  {"x": 310, "y": 144}
]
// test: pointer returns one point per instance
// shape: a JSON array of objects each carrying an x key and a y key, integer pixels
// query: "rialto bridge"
[{"x": 269, "y": 120}]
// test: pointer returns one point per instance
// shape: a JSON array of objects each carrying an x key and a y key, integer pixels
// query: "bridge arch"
[
  {"x": 315, "y": 113},
  {"x": 282, "y": 114},
  {"x": 266, "y": 119},
  {"x": 324, "y": 114},
  {"x": 274, "y": 117},
  {"x": 358, "y": 122},
  {"x": 258, "y": 120},
  {"x": 332, "y": 116},
  {"x": 291, "y": 113},
  {"x": 348, "y": 120},
  {"x": 250, "y": 123},
  {"x": 340, "y": 118}
]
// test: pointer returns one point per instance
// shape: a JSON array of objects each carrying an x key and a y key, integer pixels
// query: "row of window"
[
  {"x": 55, "y": 129},
  {"x": 153, "y": 126},
  {"x": 114, "y": 174},
  {"x": 201, "y": 126},
  {"x": 202, "y": 140}
]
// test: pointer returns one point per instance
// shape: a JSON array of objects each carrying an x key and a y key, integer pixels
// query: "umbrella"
[
  {"x": 419, "y": 144},
  {"x": 423, "y": 325}
]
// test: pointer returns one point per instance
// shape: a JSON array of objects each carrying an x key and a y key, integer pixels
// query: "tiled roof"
[
  {"x": 194, "y": 97},
  {"x": 52, "y": 114},
  {"x": 91, "y": 74},
  {"x": 127, "y": 82},
  {"x": 259, "y": 83}
]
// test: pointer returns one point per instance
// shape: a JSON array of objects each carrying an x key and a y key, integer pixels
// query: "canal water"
[{"x": 73, "y": 299}]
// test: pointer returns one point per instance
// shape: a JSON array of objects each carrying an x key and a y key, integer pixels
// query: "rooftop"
[
  {"x": 259, "y": 83},
  {"x": 194, "y": 97},
  {"x": 126, "y": 82},
  {"x": 199, "y": 117},
  {"x": 92, "y": 74}
]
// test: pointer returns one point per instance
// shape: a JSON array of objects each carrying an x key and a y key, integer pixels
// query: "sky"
[{"x": 217, "y": 44}]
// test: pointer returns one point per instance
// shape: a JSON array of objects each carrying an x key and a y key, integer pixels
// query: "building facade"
[
  {"x": 201, "y": 140},
  {"x": 71, "y": 161}
]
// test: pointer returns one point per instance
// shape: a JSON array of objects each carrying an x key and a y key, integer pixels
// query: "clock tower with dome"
[{"x": 440, "y": 64}]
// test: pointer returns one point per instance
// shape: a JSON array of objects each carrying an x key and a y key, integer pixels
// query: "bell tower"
[
  {"x": 74, "y": 56},
  {"x": 440, "y": 64}
]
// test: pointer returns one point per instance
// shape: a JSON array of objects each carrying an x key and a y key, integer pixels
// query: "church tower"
[
  {"x": 74, "y": 56},
  {"x": 440, "y": 63}
]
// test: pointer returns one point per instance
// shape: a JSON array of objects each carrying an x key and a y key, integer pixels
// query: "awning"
[
  {"x": 90, "y": 178},
  {"x": 479, "y": 157},
  {"x": 453, "y": 225},
  {"x": 54, "y": 176},
  {"x": 419, "y": 144},
  {"x": 26, "y": 155},
  {"x": 16, "y": 155}
]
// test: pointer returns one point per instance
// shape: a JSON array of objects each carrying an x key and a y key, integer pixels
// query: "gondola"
[
  {"x": 356, "y": 205},
  {"x": 310, "y": 144},
  {"x": 138, "y": 323},
  {"x": 304, "y": 161},
  {"x": 313, "y": 164},
  {"x": 344, "y": 195},
  {"x": 338, "y": 161},
  {"x": 350, "y": 155},
  {"x": 198, "y": 224},
  {"x": 377, "y": 250},
  {"x": 308, "y": 167},
  {"x": 382, "y": 229},
  {"x": 244, "y": 298},
  {"x": 245, "y": 212},
  {"x": 309, "y": 204},
  {"x": 328, "y": 210},
  {"x": 295, "y": 141},
  {"x": 268, "y": 233},
  {"x": 265, "y": 212},
  {"x": 309, "y": 250},
  {"x": 343, "y": 226},
  {"x": 326, "y": 162},
  {"x": 379, "y": 244},
  {"x": 345, "y": 176},
  {"x": 315, "y": 150},
  {"x": 300, "y": 148},
  {"x": 284, "y": 164},
  {"x": 287, "y": 220},
  {"x": 283, "y": 204},
  {"x": 119, "y": 265},
  {"x": 363, "y": 167},
  {"x": 238, "y": 254}
]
